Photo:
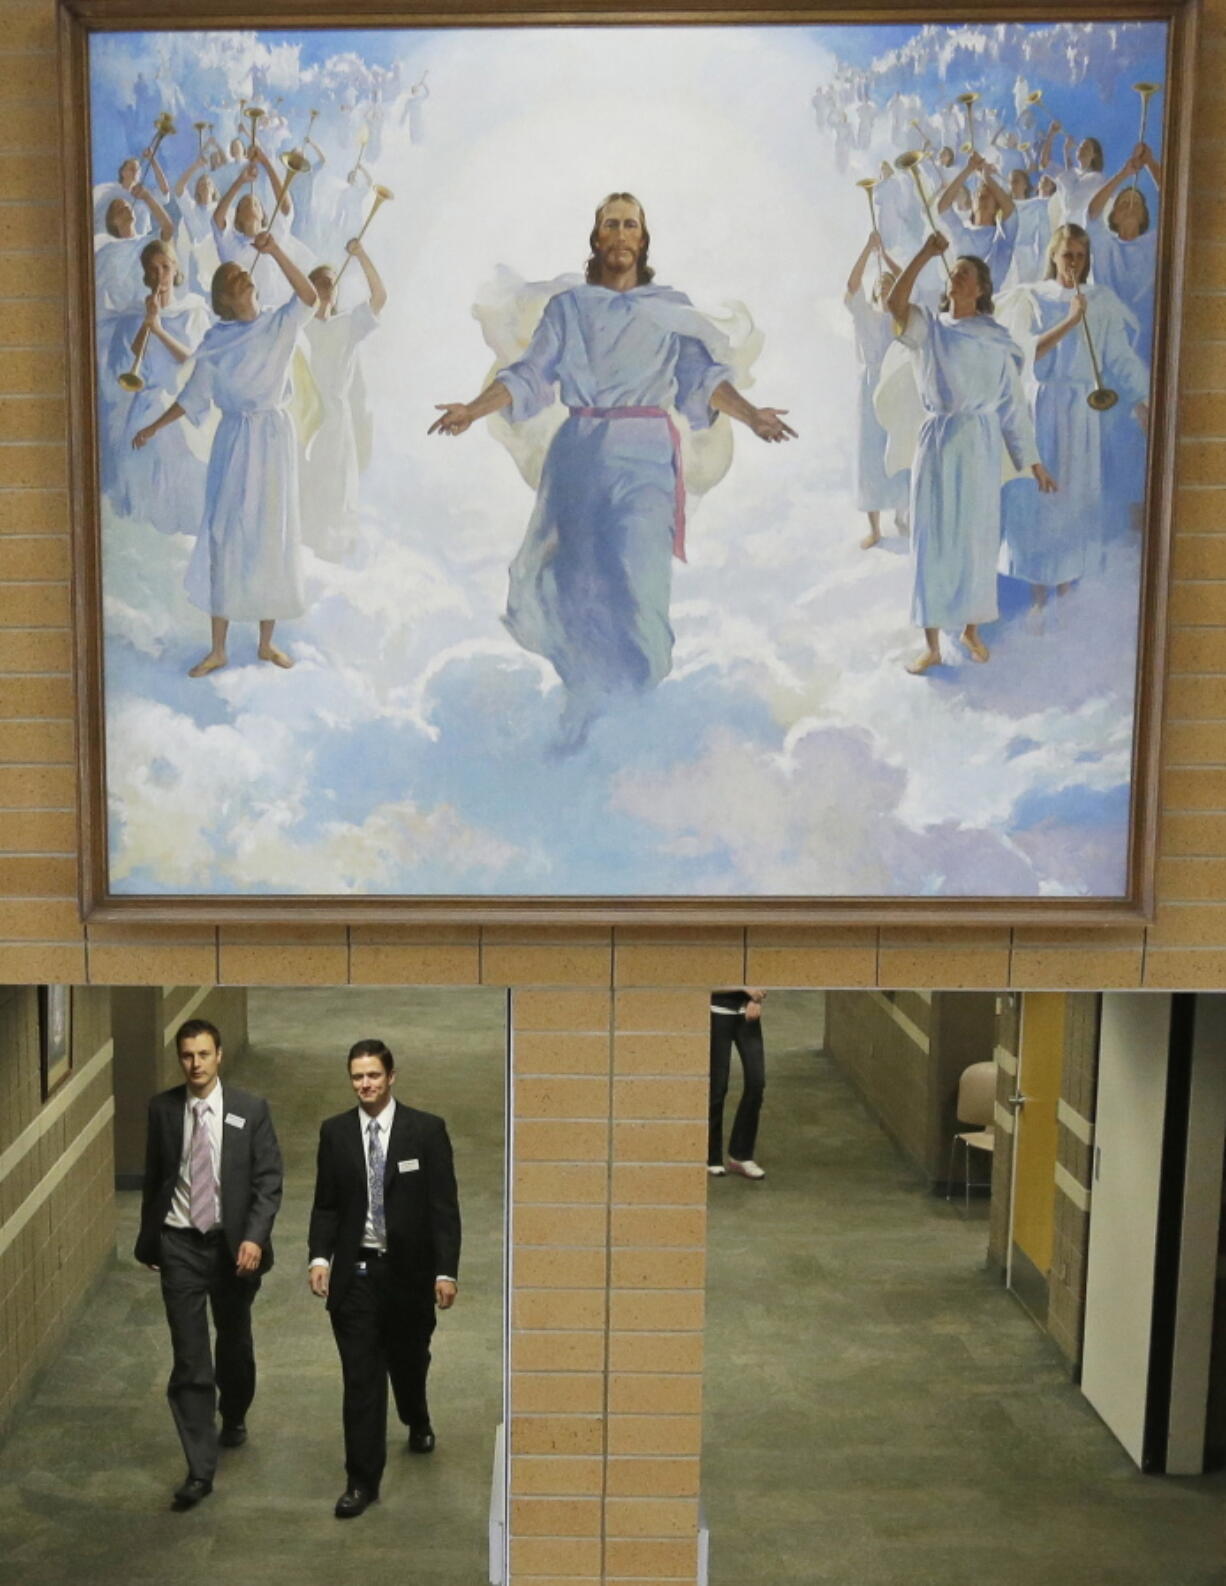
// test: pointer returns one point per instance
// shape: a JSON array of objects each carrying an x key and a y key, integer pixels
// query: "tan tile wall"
[
  {"x": 57, "y": 1224},
  {"x": 608, "y": 1320}
]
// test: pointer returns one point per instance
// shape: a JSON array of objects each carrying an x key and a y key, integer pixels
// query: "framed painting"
[
  {"x": 54, "y": 1036},
  {"x": 623, "y": 465}
]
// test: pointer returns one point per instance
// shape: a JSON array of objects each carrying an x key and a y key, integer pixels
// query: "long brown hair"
[
  {"x": 1144, "y": 210},
  {"x": 592, "y": 272},
  {"x": 223, "y": 278},
  {"x": 983, "y": 303}
]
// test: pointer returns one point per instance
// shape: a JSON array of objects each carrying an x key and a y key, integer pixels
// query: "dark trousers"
[
  {"x": 197, "y": 1272},
  {"x": 380, "y": 1332},
  {"x": 727, "y": 1030}
]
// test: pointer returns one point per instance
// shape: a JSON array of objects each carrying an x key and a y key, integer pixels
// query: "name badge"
[
  {"x": 233, "y": 1119},
  {"x": 410, "y": 1166}
]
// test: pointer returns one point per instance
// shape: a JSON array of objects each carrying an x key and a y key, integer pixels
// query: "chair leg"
[{"x": 949, "y": 1172}]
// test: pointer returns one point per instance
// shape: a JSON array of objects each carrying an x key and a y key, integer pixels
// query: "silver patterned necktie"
[
  {"x": 377, "y": 1164},
  {"x": 203, "y": 1190}
]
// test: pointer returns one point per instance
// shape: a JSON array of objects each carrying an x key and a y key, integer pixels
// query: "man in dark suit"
[
  {"x": 212, "y": 1189},
  {"x": 384, "y": 1251}
]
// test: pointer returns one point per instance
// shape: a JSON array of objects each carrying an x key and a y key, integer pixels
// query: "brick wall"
[
  {"x": 57, "y": 1211},
  {"x": 904, "y": 1051},
  {"x": 616, "y": 1457}
]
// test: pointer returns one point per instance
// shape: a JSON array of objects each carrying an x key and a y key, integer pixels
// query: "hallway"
[
  {"x": 87, "y": 1472},
  {"x": 879, "y": 1412}
]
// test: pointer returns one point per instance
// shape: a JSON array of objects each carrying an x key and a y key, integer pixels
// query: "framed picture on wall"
[
  {"x": 54, "y": 1036},
  {"x": 627, "y": 469}
]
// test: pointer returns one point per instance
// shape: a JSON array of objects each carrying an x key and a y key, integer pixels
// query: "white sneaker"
[
  {"x": 746, "y": 1169},
  {"x": 716, "y": 1171}
]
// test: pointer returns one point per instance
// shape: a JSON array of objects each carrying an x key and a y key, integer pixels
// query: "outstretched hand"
[
  {"x": 455, "y": 420},
  {"x": 768, "y": 425},
  {"x": 1046, "y": 483}
]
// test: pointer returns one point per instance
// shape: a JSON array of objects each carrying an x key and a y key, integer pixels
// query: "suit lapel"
[
  {"x": 355, "y": 1147},
  {"x": 398, "y": 1142},
  {"x": 173, "y": 1118},
  {"x": 229, "y": 1157}
]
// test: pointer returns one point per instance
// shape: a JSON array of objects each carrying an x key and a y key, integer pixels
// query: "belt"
[
  {"x": 369, "y": 1253},
  {"x": 203, "y": 1236},
  {"x": 674, "y": 436}
]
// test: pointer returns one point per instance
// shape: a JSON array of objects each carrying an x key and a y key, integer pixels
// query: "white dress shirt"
[{"x": 181, "y": 1202}]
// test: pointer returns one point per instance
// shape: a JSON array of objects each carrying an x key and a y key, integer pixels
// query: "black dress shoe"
[
  {"x": 190, "y": 1493},
  {"x": 353, "y": 1501},
  {"x": 233, "y": 1434},
  {"x": 421, "y": 1439}
]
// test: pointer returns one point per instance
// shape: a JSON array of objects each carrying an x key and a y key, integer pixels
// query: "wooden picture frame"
[
  {"x": 54, "y": 1037},
  {"x": 560, "y": 895}
]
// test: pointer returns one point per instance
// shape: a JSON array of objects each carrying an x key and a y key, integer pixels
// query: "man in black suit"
[
  {"x": 212, "y": 1189},
  {"x": 384, "y": 1250}
]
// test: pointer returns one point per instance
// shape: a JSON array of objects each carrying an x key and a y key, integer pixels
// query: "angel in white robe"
[
  {"x": 1033, "y": 230},
  {"x": 969, "y": 374},
  {"x": 162, "y": 484},
  {"x": 1125, "y": 245},
  {"x": 876, "y": 491},
  {"x": 1053, "y": 540},
  {"x": 237, "y": 221},
  {"x": 129, "y": 177},
  {"x": 991, "y": 232},
  {"x": 340, "y": 447},
  {"x": 117, "y": 268},
  {"x": 195, "y": 199},
  {"x": 1080, "y": 179},
  {"x": 589, "y": 589},
  {"x": 1125, "y": 242},
  {"x": 246, "y": 565}
]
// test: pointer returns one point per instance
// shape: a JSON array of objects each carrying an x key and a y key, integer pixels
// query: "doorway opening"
[
  {"x": 90, "y": 1456},
  {"x": 877, "y": 1404}
]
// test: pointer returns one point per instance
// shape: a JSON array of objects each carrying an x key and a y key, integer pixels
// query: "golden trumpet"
[
  {"x": 296, "y": 165},
  {"x": 383, "y": 195},
  {"x": 910, "y": 161},
  {"x": 866, "y": 184},
  {"x": 165, "y": 128},
  {"x": 363, "y": 140},
  {"x": 1147, "y": 92},
  {"x": 922, "y": 133},
  {"x": 1102, "y": 397},
  {"x": 967, "y": 101},
  {"x": 130, "y": 379},
  {"x": 254, "y": 114},
  {"x": 1036, "y": 98}
]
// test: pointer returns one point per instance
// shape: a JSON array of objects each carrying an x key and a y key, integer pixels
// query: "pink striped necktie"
[{"x": 203, "y": 1188}]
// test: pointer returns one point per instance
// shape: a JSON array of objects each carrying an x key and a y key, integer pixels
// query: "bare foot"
[
  {"x": 922, "y": 663},
  {"x": 902, "y": 524},
  {"x": 869, "y": 540},
  {"x": 976, "y": 648},
  {"x": 211, "y": 662},
  {"x": 269, "y": 652}
]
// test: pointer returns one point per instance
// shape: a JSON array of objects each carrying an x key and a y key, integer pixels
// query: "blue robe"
[
  {"x": 993, "y": 244},
  {"x": 246, "y": 562},
  {"x": 1054, "y": 539},
  {"x": 969, "y": 377},
  {"x": 589, "y": 589}
]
